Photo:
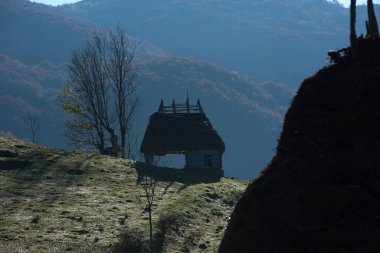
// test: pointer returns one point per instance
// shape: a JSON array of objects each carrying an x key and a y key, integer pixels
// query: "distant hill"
[
  {"x": 268, "y": 40},
  {"x": 247, "y": 114},
  {"x": 32, "y": 32},
  {"x": 281, "y": 40},
  {"x": 31, "y": 88}
]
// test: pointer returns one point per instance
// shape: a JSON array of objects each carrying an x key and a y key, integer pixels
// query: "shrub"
[
  {"x": 169, "y": 221},
  {"x": 132, "y": 241}
]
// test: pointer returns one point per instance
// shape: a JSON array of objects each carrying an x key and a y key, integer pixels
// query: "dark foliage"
[
  {"x": 321, "y": 191},
  {"x": 132, "y": 241},
  {"x": 169, "y": 221}
]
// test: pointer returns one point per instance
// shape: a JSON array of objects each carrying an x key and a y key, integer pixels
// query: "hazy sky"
[{"x": 58, "y": 2}]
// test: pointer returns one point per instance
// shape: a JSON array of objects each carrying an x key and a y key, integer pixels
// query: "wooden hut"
[{"x": 183, "y": 129}]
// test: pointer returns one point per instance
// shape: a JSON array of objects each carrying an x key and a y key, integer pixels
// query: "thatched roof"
[{"x": 179, "y": 128}]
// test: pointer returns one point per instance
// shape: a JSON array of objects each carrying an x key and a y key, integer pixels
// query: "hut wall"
[{"x": 204, "y": 159}]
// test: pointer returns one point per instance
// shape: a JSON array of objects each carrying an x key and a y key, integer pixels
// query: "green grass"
[{"x": 54, "y": 200}]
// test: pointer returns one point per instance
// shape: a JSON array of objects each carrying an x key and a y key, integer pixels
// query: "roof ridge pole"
[
  {"x": 174, "y": 111},
  {"x": 199, "y": 106},
  {"x": 161, "y": 108}
]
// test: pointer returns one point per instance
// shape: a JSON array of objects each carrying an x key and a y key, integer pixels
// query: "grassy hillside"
[{"x": 55, "y": 200}]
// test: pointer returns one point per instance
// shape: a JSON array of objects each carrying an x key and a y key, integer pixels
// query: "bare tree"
[
  {"x": 32, "y": 123},
  {"x": 100, "y": 97},
  {"x": 149, "y": 185},
  {"x": 123, "y": 81},
  {"x": 85, "y": 97}
]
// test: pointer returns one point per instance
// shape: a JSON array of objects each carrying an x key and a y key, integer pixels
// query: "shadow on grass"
[
  {"x": 132, "y": 241},
  {"x": 158, "y": 240},
  {"x": 13, "y": 164},
  {"x": 184, "y": 176},
  {"x": 32, "y": 170}
]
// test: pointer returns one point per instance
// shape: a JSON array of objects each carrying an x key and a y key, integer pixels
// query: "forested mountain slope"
[{"x": 268, "y": 40}]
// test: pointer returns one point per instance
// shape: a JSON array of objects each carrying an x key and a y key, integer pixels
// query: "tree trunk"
[
  {"x": 150, "y": 230},
  {"x": 372, "y": 28},
  {"x": 101, "y": 143},
  {"x": 123, "y": 134}
]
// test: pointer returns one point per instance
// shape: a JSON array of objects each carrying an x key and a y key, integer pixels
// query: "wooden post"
[
  {"x": 353, "y": 37},
  {"x": 174, "y": 110},
  {"x": 371, "y": 24},
  {"x": 199, "y": 106},
  {"x": 148, "y": 159}
]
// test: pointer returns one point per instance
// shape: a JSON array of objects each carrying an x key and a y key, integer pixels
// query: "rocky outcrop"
[{"x": 321, "y": 191}]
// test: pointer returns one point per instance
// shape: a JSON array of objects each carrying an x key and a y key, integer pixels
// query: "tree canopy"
[{"x": 100, "y": 97}]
